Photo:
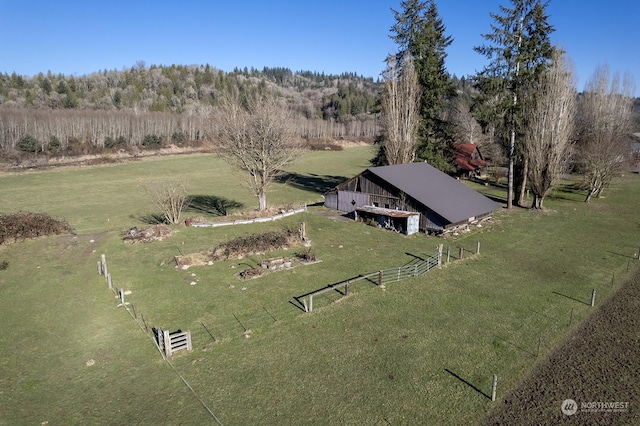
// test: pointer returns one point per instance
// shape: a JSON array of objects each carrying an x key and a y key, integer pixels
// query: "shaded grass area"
[{"x": 421, "y": 352}]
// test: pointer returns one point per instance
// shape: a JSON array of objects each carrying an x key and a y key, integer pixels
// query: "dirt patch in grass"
[
  {"x": 239, "y": 248},
  {"x": 598, "y": 363}
]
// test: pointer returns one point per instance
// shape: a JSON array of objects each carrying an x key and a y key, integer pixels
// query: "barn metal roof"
[{"x": 446, "y": 196}]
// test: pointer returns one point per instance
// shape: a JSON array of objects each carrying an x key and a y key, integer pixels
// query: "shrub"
[
  {"x": 152, "y": 141},
  {"x": 322, "y": 145},
  {"x": 22, "y": 225},
  {"x": 75, "y": 146},
  {"x": 255, "y": 243},
  {"x": 110, "y": 142},
  {"x": 28, "y": 143},
  {"x": 4, "y": 265},
  {"x": 178, "y": 137},
  {"x": 55, "y": 146}
]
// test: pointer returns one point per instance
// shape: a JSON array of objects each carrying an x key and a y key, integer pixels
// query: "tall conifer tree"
[
  {"x": 420, "y": 35},
  {"x": 519, "y": 50}
]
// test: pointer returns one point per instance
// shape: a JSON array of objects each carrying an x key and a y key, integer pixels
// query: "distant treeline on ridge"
[{"x": 159, "y": 105}]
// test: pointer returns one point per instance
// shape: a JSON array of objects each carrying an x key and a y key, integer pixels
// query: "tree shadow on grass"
[
  {"x": 211, "y": 204},
  {"x": 497, "y": 198},
  {"x": 311, "y": 182},
  {"x": 475, "y": 388},
  {"x": 153, "y": 219}
]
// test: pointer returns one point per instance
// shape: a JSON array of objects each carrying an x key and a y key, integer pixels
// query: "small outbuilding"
[
  {"x": 469, "y": 160},
  {"x": 406, "y": 197}
]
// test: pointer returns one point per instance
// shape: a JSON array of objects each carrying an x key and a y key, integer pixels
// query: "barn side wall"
[{"x": 382, "y": 194}]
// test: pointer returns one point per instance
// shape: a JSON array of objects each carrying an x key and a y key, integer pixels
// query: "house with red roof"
[{"x": 469, "y": 160}]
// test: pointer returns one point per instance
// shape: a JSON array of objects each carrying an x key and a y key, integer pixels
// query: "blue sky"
[{"x": 80, "y": 37}]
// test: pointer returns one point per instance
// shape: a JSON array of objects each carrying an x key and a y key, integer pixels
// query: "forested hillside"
[{"x": 158, "y": 105}]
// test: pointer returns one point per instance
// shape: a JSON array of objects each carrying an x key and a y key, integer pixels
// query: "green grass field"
[{"x": 423, "y": 351}]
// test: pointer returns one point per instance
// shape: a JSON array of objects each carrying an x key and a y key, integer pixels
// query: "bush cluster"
[
  {"x": 322, "y": 145},
  {"x": 255, "y": 243},
  {"x": 22, "y": 225}
]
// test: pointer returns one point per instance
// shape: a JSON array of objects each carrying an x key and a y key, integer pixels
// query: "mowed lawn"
[{"x": 422, "y": 351}]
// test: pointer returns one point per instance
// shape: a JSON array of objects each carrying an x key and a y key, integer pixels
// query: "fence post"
[
  {"x": 398, "y": 278},
  {"x": 593, "y": 297},
  {"x": 461, "y": 253},
  {"x": 478, "y": 248},
  {"x": 99, "y": 267},
  {"x": 121, "y": 294},
  {"x": 146, "y": 327},
  {"x": 104, "y": 264},
  {"x": 613, "y": 277},
  {"x": 494, "y": 387},
  {"x": 346, "y": 289},
  {"x": 379, "y": 278},
  {"x": 415, "y": 270},
  {"x": 109, "y": 282},
  {"x": 439, "y": 255},
  {"x": 448, "y": 253},
  {"x": 189, "y": 347},
  {"x": 167, "y": 343}
]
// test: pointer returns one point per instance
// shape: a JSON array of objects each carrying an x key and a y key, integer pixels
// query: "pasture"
[{"x": 423, "y": 351}]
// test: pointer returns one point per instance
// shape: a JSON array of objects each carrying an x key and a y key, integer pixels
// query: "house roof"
[
  {"x": 438, "y": 191},
  {"x": 464, "y": 157}
]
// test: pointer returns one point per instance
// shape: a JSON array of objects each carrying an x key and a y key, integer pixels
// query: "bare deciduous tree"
[
  {"x": 400, "y": 108},
  {"x": 605, "y": 120},
  {"x": 547, "y": 140},
  {"x": 257, "y": 135},
  {"x": 465, "y": 126},
  {"x": 169, "y": 196}
]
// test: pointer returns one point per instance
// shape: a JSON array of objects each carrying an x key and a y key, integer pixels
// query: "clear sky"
[{"x": 77, "y": 37}]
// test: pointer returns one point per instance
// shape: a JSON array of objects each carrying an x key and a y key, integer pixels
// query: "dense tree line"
[
  {"x": 522, "y": 109},
  {"x": 171, "y": 104}
]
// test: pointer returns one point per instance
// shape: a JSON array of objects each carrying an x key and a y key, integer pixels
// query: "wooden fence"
[
  {"x": 167, "y": 342},
  {"x": 170, "y": 342}
]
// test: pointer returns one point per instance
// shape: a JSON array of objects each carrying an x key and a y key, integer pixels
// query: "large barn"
[{"x": 411, "y": 197}]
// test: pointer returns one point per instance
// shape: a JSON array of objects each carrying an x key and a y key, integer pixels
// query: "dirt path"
[{"x": 598, "y": 363}]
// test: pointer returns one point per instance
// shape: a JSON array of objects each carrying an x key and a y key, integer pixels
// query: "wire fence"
[
  {"x": 538, "y": 333},
  {"x": 518, "y": 346}
]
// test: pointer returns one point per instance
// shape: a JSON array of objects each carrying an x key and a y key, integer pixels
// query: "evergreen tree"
[
  {"x": 519, "y": 50},
  {"x": 420, "y": 35}
]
